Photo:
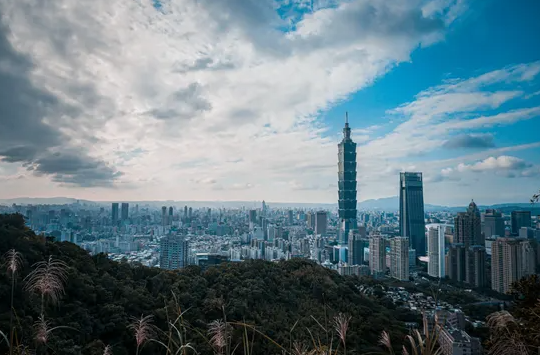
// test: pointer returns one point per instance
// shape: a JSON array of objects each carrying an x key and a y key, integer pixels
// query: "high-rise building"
[
  {"x": 173, "y": 252},
  {"x": 411, "y": 211},
  {"x": 310, "y": 220},
  {"x": 114, "y": 216},
  {"x": 377, "y": 255},
  {"x": 493, "y": 224},
  {"x": 290, "y": 217},
  {"x": 468, "y": 227},
  {"x": 190, "y": 213},
  {"x": 511, "y": 259},
  {"x": 357, "y": 244},
  {"x": 436, "y": 250},
  {"x": 321, "y": 222},
  {"x": 520, "y": 219},
  {"x": 185, "y": 213},
  {"x": 125, "y": 211},
  {"x": 170, "y": 217},
  {"x": 455, "y": 266},
  {"x": 346, "y": 184},
  {"x": 253, "y": 216},
  {"x": 164, "y": 216},
  {"x": 399, "y": 258},
  {"x": 475, "y": 266}
]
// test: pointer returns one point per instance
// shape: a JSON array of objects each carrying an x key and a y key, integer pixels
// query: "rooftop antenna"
[{"x": 346, "y": 117}]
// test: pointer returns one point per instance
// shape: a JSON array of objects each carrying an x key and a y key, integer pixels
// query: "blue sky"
[{"x": 245, "y": 99}]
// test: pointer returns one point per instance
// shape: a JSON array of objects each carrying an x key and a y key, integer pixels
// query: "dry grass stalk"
[
  {"x": 143, "y": 329},
  {"x": 48, "y": 279},
  {"x": 218, "y": 332}
]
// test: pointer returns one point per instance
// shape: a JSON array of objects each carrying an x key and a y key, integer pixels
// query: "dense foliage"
[{"x": 101, "y": 297}]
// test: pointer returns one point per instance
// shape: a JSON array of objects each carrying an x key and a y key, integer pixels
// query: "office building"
[
  {"x": 173, "y": 252},
  {"x": 170, "y": 218},
  {"x": 321, "y": 222},
  {"x": 185, "y": 213},
  {"x": 356, "y": 247},
  {"x": 125, "y": 211},
  {"x": 493, "y": 224},
  {"x": 399, "y": 258},
  {"x": 190, "y": 213},
  {"x": 114, "y": 216},
  {"x": 377, "y": 255},
  {"x": 475, "y": 266},
  {"x": 520, "y": 219},
  {"x": 411, "y": 211},
  {"x": 346, "y": 184},
  {"x": 511, "y": 259},
  {"x": 455, "y": 266},
  {"x": 468, "y": 227}
]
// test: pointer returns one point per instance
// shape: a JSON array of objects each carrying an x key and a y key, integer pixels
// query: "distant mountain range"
[{"x": 387, "y": 204}]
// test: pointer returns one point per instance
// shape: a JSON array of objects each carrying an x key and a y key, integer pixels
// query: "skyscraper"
[
  {"x": 171, "y": 212},
  {"x": 455, "y": 266},
  {"x": 321, "y": 222},
  {"x": 475, "y": 266},
  {"x": 173, "y": 252},
  {"x": 164, "y": 216},
  {"x": 377, "y": 255},
  {"x": 253, "y": 216},
  {"x": 357, "y": 244},
  {"x": 468, "y": 227},
  {"x": 346, "y": 184},
  {"x": 125, "y": 211},
  {"x": 290, "y": 217},
  {"x": 114, "y": 216},
  {"x": 411, "y": 211},
  {"x": 493, "y": 224},
  {"x": 511, "y": 259},
  {"x": 520, "y": 219},
  {"x": 399, "y": 258},
  {"x": 436, "y": 250}
]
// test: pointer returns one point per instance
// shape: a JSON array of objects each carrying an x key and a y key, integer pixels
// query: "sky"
[{"x": 245, "y": 99}]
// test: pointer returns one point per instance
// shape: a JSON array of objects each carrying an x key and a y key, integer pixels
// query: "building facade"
[
  {"x": 321, "y": 222},
  {"x": 511, "y": 259},
  {"x": 357, "y": 244},
  {"x": 399, "y": 258},
  {"x": 493, "y": 224},
  {"x": 411, "y": 211},
  {"x": 520, "y": 219},
  {"x": 377, "y": 255},
  {"x": 475, "y": 266},
  {"x": 468, "y": 227},
  {"x": 173, "y": 252}
]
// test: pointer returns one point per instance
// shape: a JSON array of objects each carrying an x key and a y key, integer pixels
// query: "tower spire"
[{"x": 347, "y": 129}]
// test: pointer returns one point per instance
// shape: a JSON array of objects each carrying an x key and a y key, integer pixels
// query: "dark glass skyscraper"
[
  {"x": 346, "y": 184},
  {"x": 411, "y": 211}
]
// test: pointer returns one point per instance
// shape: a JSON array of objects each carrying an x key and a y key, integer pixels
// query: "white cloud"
[{"x": 207, "y": 88}]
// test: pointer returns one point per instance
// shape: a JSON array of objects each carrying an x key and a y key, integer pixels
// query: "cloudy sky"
[{"x": 245, "y": 99}]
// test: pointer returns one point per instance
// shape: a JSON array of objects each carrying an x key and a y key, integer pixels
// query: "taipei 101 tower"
[{"x": 346, "y": 184}]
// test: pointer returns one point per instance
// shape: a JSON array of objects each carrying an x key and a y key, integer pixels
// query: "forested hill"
[{"x": 101, "y": 297}]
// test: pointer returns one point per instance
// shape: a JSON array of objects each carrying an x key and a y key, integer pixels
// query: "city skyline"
[{"x": 252, "y": 106}]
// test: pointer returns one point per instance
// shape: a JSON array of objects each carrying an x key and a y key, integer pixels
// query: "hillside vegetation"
[{"x": 270, "y": 306}]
